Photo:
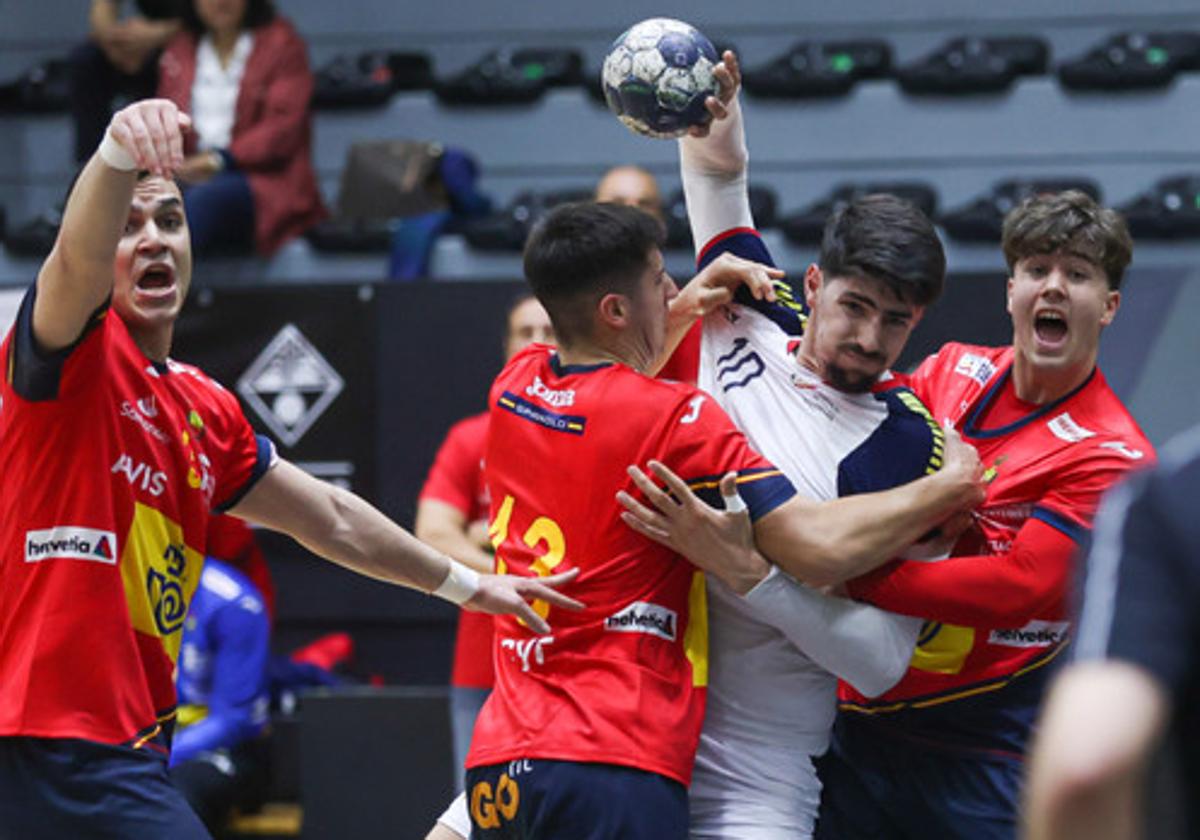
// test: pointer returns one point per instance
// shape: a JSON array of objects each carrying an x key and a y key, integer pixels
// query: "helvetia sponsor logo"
[
  {"x": 68, "y": 542},
  {"x": 643, "y": 617},
  {"x": 1033, "y": 634}
]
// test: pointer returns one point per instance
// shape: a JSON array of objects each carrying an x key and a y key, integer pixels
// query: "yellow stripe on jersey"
[
  {"x": 695, "y": 640},
  {"x": 741, "y": 479},
  {"x": 913, "y": 403},
  {"x": 968, "y": 691},
  {"x": 160, "y": 573}
]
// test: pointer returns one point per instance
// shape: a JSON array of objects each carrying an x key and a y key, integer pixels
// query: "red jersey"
[
  {"x": 621, "y": 682},
  {"x": 1001, "y": 602},
  {"x": 111, "y": 465},
  {"x": 456, "y": 479}
]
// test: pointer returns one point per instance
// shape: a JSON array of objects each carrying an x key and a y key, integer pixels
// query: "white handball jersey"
[{"x": 776, "y": 654}]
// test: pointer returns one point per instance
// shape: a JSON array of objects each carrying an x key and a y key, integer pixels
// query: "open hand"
[
  {"x": 511, "y": 595},
  {"x": 717, "y": 283},
  {"x": 728, "y": 74},
  {"x": 718, "y": 542}
]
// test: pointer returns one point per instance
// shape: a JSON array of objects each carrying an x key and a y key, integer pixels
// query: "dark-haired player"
[
  {"x": 113, "y": 456},
  {"x": 806, "y": 378},
  {"x": 591, "y": 732}
]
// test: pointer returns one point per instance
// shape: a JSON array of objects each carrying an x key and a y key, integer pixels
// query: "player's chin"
[{"x": 851, "y": 380}]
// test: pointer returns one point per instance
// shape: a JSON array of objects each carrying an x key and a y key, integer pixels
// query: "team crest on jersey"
[
  {"x": 1065, "y": 428},
  {"x": 526, "y": 410},
  {"x": 644, "y": 617},
  {"x": 979, "y": 368}
]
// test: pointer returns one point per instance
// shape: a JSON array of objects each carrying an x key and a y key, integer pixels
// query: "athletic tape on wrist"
[
  {"x": 734, "y": 503},
  {"x": 460, "y": 585},
  {"x": 114, "y": 154}
]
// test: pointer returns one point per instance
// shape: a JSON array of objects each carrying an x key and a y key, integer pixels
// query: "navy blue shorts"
[
  {"x": 55, "y": 788},
  {"x": 535, "y": 799},
  {"x": 883, "y": 787}
]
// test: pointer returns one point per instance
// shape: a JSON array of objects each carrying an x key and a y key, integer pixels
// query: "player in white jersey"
[{"x": 810, "y": 387}]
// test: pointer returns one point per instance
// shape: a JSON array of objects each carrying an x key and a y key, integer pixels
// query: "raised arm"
[
  {"x": 343, "y": 528},
  {"x": 77, "y": 277}
]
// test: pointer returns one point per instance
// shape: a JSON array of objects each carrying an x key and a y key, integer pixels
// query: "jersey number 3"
[{"x": 544, "y": 530}]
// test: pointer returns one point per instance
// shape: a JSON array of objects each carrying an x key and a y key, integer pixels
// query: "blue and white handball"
[{"x": 657, "y": 75}]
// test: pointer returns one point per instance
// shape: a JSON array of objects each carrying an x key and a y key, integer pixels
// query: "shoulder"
[
  {"x": 467, "y": 432},
  {"x": 1112, "y": 430},
  {"x": 907, "y": 444}
]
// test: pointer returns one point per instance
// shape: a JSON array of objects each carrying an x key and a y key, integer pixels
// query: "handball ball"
[{"x": 657, "y": 75}]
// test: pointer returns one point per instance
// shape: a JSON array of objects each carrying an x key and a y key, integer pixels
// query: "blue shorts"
[
  {"x": 536, "y": 799},
  {"x": 54, "y": 788},
  {"x": 885, "y": 787}
]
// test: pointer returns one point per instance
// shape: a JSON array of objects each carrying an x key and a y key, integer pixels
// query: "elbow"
[{"x": 884, "y": 671}]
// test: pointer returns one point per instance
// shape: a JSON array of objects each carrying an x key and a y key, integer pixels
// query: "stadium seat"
[
  {"x": 818, "y": 69},
  {"x": 975, "y": 65},
  {"x": 805, "y": 226},
  {"x": 981, "y": 220}
]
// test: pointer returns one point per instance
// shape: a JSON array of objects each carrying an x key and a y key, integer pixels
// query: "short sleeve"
[
  {"x": 38, "y": 375},
  {"x": 240, "y": 457},
  {"x": 906, "y": 446},
  {"x": 702, "y": 444}
]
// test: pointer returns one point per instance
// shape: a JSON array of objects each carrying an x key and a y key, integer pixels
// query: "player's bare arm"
[
  {"x": 343, "y": 528},
  {"x": 445, "y": 527},
  {"x": 77, "y": 277},
  {"x": 819, "y": 543}
]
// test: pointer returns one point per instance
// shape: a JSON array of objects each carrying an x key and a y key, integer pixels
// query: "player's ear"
[
  {"x": 613, "y": 310},
  {"x": 813, "y": 280},
  {"x": 1112, "y": 302}
]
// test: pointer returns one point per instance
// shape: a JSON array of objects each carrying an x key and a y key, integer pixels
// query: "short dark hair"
[
  {"x": 258, "y": 12},
  {"x": 885, "y": 238},
  {"x": 580, "y": 252},
  {"x": 1071, "y": 222}
]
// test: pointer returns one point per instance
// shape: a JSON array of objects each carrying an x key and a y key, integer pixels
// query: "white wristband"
[
  {"x": 460, "y": 585},
  {"x": 114, "y": 154}
]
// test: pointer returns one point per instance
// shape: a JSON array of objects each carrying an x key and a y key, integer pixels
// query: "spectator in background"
[
  {"x": 633, "y": 186},
  {"x": 119, "y": 59},
  {"x": 452, "y": 516},
  {"x": 242, "y": 72}
]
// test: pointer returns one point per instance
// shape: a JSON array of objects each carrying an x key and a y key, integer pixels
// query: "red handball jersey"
[
  {"x": 1002, "y": 600},
  {"x": 621, "y": 682},
  {"x": 456, "y": 479},
  {"x": 111, "y": 465}
]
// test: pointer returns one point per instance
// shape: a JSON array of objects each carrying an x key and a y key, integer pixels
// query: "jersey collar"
[{"x": 971, "y": 428}]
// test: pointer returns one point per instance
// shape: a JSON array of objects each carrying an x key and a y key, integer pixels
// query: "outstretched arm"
[
  {"x": 77, "y": 277},
  {"x": 344, "y": 528}
]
